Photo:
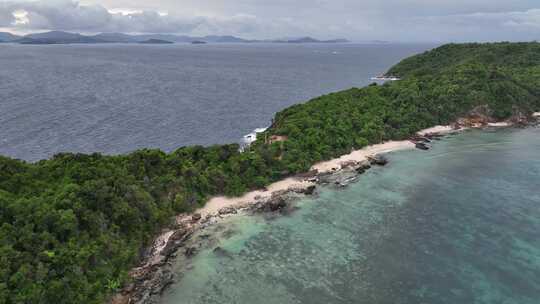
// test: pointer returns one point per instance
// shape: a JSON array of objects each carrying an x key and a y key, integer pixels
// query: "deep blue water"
[
  {"x": 458, "y": 224},
  {"x": 118, "y": 98}
]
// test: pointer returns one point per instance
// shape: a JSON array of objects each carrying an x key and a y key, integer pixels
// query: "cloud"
[
  {"x": 482, "y": 26},
  {"x": 70, "y": 15}
]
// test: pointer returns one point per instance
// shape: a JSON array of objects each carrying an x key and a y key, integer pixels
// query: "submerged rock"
[
  {"x": 422, "y": 146},
  {"x": 190, "y": 251}
]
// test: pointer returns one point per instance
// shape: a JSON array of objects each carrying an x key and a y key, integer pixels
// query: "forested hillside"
[{"x": 72, "y": 226}]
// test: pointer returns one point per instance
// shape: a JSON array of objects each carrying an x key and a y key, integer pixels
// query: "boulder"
[
  {"x": 190, "y": 251},
  {"x": 178, "y": 234},
  {"x": 378, "y": 160},
  {"x": 196, "y": 217},
  {"x": 227, "y": 210},
  {"x": 307, "y": 191},
  {"x": 422, "y": 146},
  {"x": 277, "y": 203},
  {"x": 363, "y": 168},
  {"x": 310, "y": 190}
]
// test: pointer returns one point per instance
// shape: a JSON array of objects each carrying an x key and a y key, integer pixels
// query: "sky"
[{"x": 357, "y": 20}]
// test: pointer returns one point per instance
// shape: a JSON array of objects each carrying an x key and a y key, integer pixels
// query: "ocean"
[
  {"x": 457, "y": 224},
  {"x": 116, "y": 98}
]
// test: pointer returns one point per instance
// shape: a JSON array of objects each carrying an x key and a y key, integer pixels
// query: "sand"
[
  {"x": 362, "y": 154},
  {"x": 499, "y": 124},
  {"x": 213, "y": 206}
]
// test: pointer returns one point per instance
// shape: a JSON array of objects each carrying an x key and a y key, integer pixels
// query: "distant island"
[
  {"x": 156, "y": 41},
  {"x": 60, "y": 37}
]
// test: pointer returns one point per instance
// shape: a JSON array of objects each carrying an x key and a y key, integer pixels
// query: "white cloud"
[{"x": 72, "y": 16}]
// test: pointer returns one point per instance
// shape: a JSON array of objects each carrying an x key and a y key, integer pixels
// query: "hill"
[
  {"x": 60, "y": 37},
  {"x": 57, "y": 37},
  {"x": 8, "y": 37},
  {"x": 72, "y": 226},
  {"x": 156, "y": 41}
]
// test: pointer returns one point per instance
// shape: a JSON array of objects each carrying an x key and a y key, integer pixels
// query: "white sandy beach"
[{"x": 213, "y": 206}]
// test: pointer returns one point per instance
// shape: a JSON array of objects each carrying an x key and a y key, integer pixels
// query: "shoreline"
[
  {"x": 298, "y": 183},
  {"x": 155, "y": 274}
]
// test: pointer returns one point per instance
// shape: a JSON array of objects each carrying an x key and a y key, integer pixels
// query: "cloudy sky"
[{"x": 358, "y": 20}]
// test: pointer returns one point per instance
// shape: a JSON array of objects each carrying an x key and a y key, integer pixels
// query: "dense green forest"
[{"x": 72, "y": 226}]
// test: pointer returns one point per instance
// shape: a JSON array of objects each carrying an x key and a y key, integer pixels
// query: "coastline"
[
  {"x": 213, "y": 206},
  {"x": 154, "y": 273}
]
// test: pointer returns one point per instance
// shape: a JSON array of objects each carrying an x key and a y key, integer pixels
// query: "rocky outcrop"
[
  {"x": 196, "y": 217},
  {"x": 379, "y": 160},
  {"x": 227, "y": 210}
]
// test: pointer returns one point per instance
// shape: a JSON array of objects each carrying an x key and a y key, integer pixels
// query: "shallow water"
[
  {"x": 457, "y": 224},
  {"x": 116, "y": 98}
]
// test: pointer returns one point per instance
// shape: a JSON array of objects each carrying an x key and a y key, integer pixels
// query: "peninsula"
[{"x": 73, "y": 226}]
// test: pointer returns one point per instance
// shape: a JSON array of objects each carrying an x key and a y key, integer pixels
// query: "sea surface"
[
  {"x": 457, "y": 224},
  {"x": 117, "y": 98}
]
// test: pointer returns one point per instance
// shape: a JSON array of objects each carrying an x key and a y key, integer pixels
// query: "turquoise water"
[{"x": 457, "y": 224}]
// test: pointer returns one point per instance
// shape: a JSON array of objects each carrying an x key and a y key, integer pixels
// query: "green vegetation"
[{"x": 71, "y": 227}]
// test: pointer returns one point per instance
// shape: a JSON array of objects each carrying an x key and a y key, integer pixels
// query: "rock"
[
  {"x": 309, "y": 174},
  {"x": 307, "y": 191},
  {"x": 227, "y": 210},
  {"x": 310, "y": 190},
  {"x": 418, "y": 138},
  {"x": 171, "y": 248},
  {"x": 190, "y": 251},
  {"x": 178, "y": 234},
  {"x": 378, "y": 160},
  {"x": 347, "y": 164},
  {"x": 422, "y": 146},
  {"x": 196, "y": 217},
  {"x": 277, "y": 204},
  {"x": 363, "y": 168},
  {"x": 222, "y": 252},
  {"x": 273, "y": 204},
  {"x": 207, "y": 219}
]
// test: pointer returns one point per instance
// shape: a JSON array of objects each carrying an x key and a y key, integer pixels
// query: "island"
[
  {"x": 75, "y": 226},
  {"x": 61, "y": 37},
  {"x": 156, "y": 41}
]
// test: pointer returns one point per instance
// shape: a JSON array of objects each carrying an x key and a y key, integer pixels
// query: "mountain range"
[{"x": 60, "y": 37}]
